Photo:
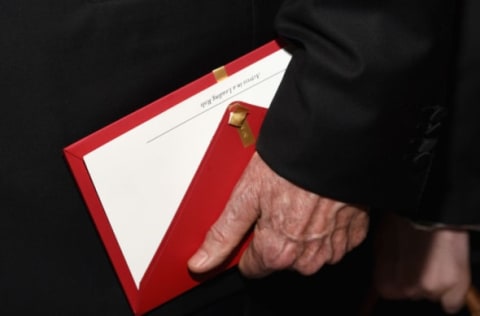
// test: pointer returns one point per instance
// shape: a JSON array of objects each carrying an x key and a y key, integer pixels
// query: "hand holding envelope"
[
  {"x": 294, "y": 228},
  {"x": 147, "y": 178}
]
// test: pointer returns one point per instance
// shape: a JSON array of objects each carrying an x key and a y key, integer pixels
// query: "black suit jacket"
[
  {"x": 360, "y": 110},
  {"x": 68, "y": 68}
]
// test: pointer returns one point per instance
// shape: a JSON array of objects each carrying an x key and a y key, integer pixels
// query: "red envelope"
[{"x": 222, "y": 161}]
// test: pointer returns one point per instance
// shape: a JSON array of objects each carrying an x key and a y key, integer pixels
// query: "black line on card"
[{"x": 212, "y": 107}]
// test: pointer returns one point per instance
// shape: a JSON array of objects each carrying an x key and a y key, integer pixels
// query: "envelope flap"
[{"x": 210, "y": 189}]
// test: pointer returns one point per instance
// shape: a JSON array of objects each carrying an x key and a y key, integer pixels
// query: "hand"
[
  {"x": 294, "y": 229},
  {"x": 417, "y": 264}
]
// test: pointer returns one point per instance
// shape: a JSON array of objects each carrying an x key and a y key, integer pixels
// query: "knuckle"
[
  {"x": 279, "y": 262},
  {"x": 279, "y": 259},
  {"x": 309, "y": 268},
  {"x": 312, "y": 260}
]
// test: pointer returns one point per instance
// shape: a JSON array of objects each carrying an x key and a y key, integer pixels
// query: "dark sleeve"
[
  {"x": 453, "y": 192},
  {"x": 355, "y": 116}
]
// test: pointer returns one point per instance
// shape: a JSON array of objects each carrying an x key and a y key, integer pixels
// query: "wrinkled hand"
[
  {"x": 294, "y": 229},
  {"x": 416, "y": 264}
]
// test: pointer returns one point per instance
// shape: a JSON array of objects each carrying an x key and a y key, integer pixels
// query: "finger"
[
  {"x": 340, "y": 237},
  {"x": 237, "y": 218},
  {"x": 251, "y": 264},
  {"x": 313, "y": 257},
  {"x": 315, "y": 244},
  {"x": 339, "y": 244},
  {"x": 358, "y": 228},
  {"x": 266, "y": 253}
]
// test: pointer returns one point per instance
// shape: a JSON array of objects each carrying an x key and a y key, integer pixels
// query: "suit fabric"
[{"x": 361, "y": 109}]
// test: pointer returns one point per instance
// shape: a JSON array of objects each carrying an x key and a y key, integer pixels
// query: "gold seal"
[{"x": 238, "y": 119}]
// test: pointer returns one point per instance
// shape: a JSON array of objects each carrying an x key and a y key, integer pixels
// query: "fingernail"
[{"x": 199, "y": 259}]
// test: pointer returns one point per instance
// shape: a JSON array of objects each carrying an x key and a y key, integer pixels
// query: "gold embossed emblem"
[{"x": 238, "y": 119}]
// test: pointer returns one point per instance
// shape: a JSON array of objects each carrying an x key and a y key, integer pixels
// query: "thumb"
[{"x": 223, "y": 237}]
